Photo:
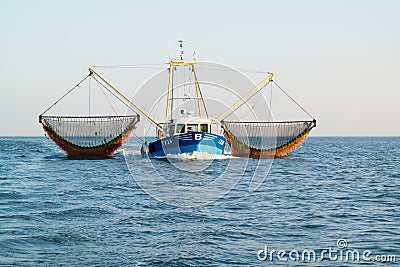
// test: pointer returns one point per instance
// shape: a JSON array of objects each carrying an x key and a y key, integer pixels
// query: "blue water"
[{"x": 60, "y": 212}]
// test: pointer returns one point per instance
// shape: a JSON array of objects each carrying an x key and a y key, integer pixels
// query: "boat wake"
[
  {"x": 197, "y": 156},
  {"x": 183, "y": 156},
  {"x": 129, "y": 152}
]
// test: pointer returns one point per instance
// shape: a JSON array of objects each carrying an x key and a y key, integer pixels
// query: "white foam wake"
[
  {"x": 128, "y": 152},
  {"x": 195, "y": 155}
]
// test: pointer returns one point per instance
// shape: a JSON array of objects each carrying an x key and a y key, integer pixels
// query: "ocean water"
[{"x": 335, "y": 193}]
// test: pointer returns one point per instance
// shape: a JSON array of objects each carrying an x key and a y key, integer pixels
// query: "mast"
[
  {"x": 169, "y": 98},
  {"x": 198, "y": 94},
  {"x": 170, "y": 94},
  {"x": 181, "y": 46}
]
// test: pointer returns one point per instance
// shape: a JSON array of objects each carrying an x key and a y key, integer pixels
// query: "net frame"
[
  {"x": 93, "y": 144},
  {"x": 243, "y": 148}
]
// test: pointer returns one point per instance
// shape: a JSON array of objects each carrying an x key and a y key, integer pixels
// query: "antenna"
[
  {"x": 181, "y": 45},
  {"x": 194, "y": 55}
]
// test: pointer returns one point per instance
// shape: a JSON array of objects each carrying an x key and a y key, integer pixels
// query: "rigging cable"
[
  {"x": 246, "y": 100},
  {"x": 201, "y": 94},
  {"x": 293, "y": 100},
  {"x": 172, "y": 68},
  {"x": 69, "y": 91},
  {"x": 270, "y": 103},
  {"x": 108, "y": 100},
  {"x": 155, "y": 66},
  {"x": 117, "y": 97},
  {"x": 128, "y": 106},
  {"x": 89, "y": 95}
]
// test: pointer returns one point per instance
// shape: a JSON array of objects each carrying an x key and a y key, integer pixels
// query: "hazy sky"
[{"x": 339, "y": 59}]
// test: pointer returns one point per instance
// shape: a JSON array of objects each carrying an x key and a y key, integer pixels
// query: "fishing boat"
[
  {"x": 182, "y": 132},
  {"x": 187, "y": 127},
  {"x": 189, "y": 135}
]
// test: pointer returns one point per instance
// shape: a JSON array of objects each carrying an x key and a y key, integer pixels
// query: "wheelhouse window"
[
  {"x": 192, "y": 128},
  {"x": 180, "y": 128},
  {"x": 204, "y": 127},
  {"x": 171, "y": 129}
]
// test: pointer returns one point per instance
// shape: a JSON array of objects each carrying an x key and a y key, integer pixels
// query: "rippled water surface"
[{"x": 55, "y": 211}]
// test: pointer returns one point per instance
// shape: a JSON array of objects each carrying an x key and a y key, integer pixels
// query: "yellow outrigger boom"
[
  {"x": 92, "y": 70},
  {"x": 259, "y": 86}
]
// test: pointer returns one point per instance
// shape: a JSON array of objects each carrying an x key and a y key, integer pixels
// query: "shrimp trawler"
[
  {"x": 187, "y": 135},
  {"x": 183, "y": 131},
  {"x": 187, "y": 127}
]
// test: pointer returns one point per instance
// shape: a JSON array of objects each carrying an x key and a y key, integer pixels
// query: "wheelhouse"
[{"x": 181, "y": 126}]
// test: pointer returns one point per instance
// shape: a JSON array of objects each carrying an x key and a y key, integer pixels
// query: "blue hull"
[{"x": 187, "y": 143}]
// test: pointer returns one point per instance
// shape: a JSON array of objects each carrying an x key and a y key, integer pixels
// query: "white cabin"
[{"x": 186, "y": 125}]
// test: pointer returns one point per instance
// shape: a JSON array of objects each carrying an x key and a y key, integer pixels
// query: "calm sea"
[{"x": 337, "y": 195}]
